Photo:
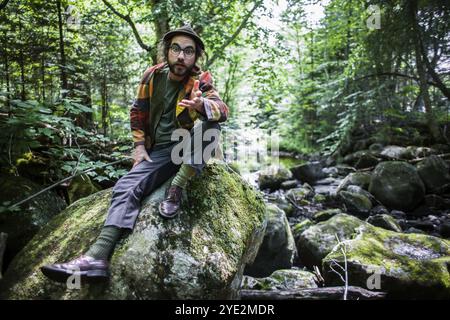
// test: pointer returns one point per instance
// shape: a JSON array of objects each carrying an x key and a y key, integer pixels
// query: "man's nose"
[{"x": 181, "y": 55}]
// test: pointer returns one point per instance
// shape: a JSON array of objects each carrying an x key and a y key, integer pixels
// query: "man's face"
[{"x": 181, "y": 64}]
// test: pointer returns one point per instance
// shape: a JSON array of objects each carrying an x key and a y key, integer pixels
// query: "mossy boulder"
[
  {"x": 272, "y": 177},
  {"x": 434, "y": 173},
  {"x": 200, "y": 254},
  {"x": 81, "y": 186},
  {"x": 397, "y": 185},
  {"x": 361, "y": 179},
  {"x": 324, "y": 215},
  {"x": 407, "y": 265},
  {"x": 287, "y": 279},
  {"x": 384, "y": 221},
  {"x": 23, "y": 223},
  {"x": 361, "y": 159},
  {"x": 316, "y": 242},
  {"x": 297, "y": 195},
  {"x": 298, "y": 228},
  {"x": 278, "y": 248},
  {"x": 356, "y": 203}
]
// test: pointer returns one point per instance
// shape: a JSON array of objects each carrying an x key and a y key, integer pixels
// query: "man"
[{"x": 171, "y": 96}]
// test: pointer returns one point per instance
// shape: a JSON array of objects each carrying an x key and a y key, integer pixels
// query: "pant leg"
[
  {"x": 204, "y": 140},
  {"x": 135, "y": 185}
]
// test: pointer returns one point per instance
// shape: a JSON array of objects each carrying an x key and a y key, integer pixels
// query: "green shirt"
[{"x": 165, "y": 96}]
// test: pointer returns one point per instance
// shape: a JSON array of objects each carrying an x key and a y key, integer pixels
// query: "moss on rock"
[
  {"x": 409, "y": 265},
  {"x": 285, "y": 279},
  {"x": 201, "y": 254}
]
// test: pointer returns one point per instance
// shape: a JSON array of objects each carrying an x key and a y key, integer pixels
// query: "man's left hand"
[{"x": 195, "y": 100}]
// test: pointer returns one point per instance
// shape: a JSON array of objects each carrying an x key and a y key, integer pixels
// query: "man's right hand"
[{"x": 140, "y": 154}]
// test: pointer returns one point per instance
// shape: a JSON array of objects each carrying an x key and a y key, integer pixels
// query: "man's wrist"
[{"x": 139, "y": 143}]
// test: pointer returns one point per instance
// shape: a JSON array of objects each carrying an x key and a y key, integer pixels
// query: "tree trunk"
[
  {"x": 22, "y": 66},
  {"x": 423, "y": 83},
  {"x": 62, "y": 54},
  {"x": 8, "y": 87},
  {"x": 161, "y": 23},
  {"x": 104, "y": 107}
]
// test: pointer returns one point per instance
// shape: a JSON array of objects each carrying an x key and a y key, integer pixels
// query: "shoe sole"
[{"x": 61, "y": 276}]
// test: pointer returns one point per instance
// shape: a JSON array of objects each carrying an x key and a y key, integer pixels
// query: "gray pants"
[{"x": 145, "y": 177}]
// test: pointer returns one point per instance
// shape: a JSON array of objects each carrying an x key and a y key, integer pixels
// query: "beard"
[{"x": 180, "y": 68}]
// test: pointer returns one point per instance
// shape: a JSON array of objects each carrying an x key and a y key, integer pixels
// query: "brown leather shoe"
[
  {"x": 170, "y": 206},
  {"x": 88, "y": 268}
]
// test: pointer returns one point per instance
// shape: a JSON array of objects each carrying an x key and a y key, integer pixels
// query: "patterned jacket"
[{"x": 144, "y": 117}]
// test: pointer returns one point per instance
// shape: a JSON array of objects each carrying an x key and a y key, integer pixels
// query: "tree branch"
[
  {"x": 438, "y": 82},
  {"x": 235, "y": 34},
  {"x": 130, "y": 22},
  {"x": 3, "y": 4}
]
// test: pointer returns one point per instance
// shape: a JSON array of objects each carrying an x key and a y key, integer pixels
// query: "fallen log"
[{"x": 326, "y": 293}]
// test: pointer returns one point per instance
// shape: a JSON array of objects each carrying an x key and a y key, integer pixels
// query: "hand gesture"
[{"x": 195, "y": 100}]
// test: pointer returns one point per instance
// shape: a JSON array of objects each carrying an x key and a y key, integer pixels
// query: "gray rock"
[
  {"x": 394, "y": 152},
  {"x": 278, "y": 247},
  {"x": 422, "y": 152},
  {"x": 361, "y": 159},
  {"x": 344, "y": 170},
  {"x": 326, "y": 214},
  {"x": 279, "y": 199},
  {"x": 379, "y": 210},
  {"x": 287, "y": 279},
  {"x": 309, "y": 172},
  {"x": 376, "y": 147},
  {"x": 397, "y": 214},
  {"x": 410, "y": 266},
  {"x": 361, "y": 179},
  {"x": 316, "y": 242},
  {"x": 272, "y": 177},
  {"x": 384, "y": 221},
  {"x": 331, "y": 171},
  {"x": 299, "y": 194},
  {"x": 397, "y": 185},
  {"x": 414, "y": 230},
  {"x": 361, "y": 191},
  {"x": 289, "y": 184},
  {"x": 434, "y": 173},
  {"x": 437, "y": 202},
  {"x": 200, "y": 254},
  {"x": 355, "y": 203},
  {"x": 298, "y": 228}
]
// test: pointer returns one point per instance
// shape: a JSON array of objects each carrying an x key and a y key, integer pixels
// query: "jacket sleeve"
[
  {"x": 214, "y": 109},
  {"x": 139, "y": 111}
]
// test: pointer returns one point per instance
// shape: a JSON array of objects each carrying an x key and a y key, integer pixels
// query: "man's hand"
[
  {"x": 196, "y": 99},
  {"x": 140, "y": 154}
]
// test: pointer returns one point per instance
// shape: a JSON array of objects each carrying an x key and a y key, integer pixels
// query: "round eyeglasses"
[{"x": 176, "y": 49}]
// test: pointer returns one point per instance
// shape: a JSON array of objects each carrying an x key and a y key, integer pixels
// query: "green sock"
[
  {"x": 185, "y": 173},
  {"x": 103, "y": 248}
]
